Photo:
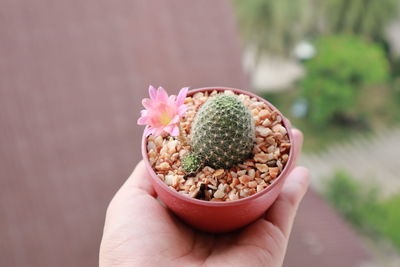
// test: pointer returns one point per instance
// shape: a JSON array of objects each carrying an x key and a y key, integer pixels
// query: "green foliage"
[
  {"x": 335, "y": 76},
  {"x": 361, "y": 17},
  {"x": 276, "y": 26},
  {"x": 354, "y": 201},
  {"x": 273, "y": 26},
  {"x": 360, "y": 205},
  {"x": 390, "y": 224},
  {"x": 379, "y": 106},
  {"x": 223, "y": 132}
]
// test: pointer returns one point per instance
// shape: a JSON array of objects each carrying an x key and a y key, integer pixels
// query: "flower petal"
[
  {"x": 182, "y": 110},
  {"x": 144, "y": 112},
  {"x": 161, "y": 109},
  {"x": 162, "y": 95},
  {"x": 152, "y": 92},
  {"x": 182, "y": 96},
  {"x": 157, "y": 131},
  {"x": 169, "y": 128},
  {"x": 174, "y": 120},
  {"x": 143, "y": 120},
  {"x": 147, "y": 103},
  {"x": 172, "y": 129},
  {"x": 171, "y": 100},
  {"x": 148, "y": 131},
  {"x": 175, "y": 131}
]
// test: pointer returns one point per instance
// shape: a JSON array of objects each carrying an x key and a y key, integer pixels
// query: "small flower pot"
[{"x": 217, "y": 217}]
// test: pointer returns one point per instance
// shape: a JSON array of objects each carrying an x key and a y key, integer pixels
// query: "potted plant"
[{"x": 217, "y": 157}]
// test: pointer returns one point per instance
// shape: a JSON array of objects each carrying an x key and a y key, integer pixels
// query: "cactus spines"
[
  {"x": 222, "y": 132},
  {"x": 191, "y": 163}
]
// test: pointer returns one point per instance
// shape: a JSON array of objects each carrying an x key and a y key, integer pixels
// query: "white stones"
[
  {"x": 234, "y": 174},
  {"x": 158, "y": 141},
  {"x": 212, "y": 187},
  {"x": 172, "y": 145},
  {"x": 152, "y": 156},
  {"x": 208, "y": 171},
  {"x": 233, "y": 195},
  {"x": 277, "y": 153},
  {"x": 171, "y": 179},
  {"x": 189, "y": 182},
  {"x": 244, "y": 179},
  {"x": 259, "y": 140},
  {"x": 255, "y": 112},
  {"x": 273, "y": 172},
  {"x": 164, "y": 166},
  {"x": 252, "y": 174},
  {"x": 261, "y": 157},
  {"x": 164, "y": 151},
  {"x": 219, "y": 194},
  {"x": 279, "y": 164},
  {"x": 266, "y": 123},
  {"x": 256, "y": 104},
  {"x": 229, "y": 92},
  {"x": 271, "y": 149},
  {"x": 244, "y": 192},
  {"x": 263, "y": 114},
  {"x": 198, "y": 95},
  {"x": 151, "y": 146},
  {"x": 218, "y": 173},
  {"x": 241, "y": 173},
  {"x": 252, "y": 184},
  {"x": 262, "y": 167},
  {"x": 215, "y": 92},
  {"x": 278, "y": 128},
  {"x": 263, "y": 131}
]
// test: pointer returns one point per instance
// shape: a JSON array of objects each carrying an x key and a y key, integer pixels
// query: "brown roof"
[{"x": 320, "y": 237}]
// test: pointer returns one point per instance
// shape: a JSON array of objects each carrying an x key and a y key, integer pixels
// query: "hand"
[{"x": 140, "y": 231}]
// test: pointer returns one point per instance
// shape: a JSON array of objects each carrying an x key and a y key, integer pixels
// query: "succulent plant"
[
  {"x": 222, "y": 133},
  {"x": 191, "y": 163}
]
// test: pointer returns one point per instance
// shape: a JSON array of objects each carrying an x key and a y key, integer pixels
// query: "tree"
[
  {"x": 343, "y": 65},
  {"x": 367, "y": 18},
  {"x": 276, "y": 26},
  {"x": 273, "y": 26}
]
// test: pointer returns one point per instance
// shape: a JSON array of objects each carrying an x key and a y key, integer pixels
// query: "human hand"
[{"x": 140, "y": 231}]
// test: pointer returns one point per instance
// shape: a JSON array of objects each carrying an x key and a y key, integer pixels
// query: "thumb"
[{"x": 283, "y": 211}]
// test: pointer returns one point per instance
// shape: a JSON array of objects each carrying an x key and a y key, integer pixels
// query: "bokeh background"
[{"x": 73, "y": 73}]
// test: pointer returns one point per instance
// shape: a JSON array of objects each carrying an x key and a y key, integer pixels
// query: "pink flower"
[{"x": 163, "y": 113}]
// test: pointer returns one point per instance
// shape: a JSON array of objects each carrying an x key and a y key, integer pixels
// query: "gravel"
[{"x": 270, "y": 155}]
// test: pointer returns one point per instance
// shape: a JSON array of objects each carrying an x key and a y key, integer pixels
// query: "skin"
[{"x": 140, "y": 231}]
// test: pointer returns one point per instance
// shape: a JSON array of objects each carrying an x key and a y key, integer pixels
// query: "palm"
[{"x": 139, "y": 230}]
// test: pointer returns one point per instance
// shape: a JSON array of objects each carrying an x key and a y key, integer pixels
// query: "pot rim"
[{"x": 282, "y": 175}]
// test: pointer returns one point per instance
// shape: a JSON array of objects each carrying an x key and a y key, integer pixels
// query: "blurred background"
[{"x": 73, "y": 73}]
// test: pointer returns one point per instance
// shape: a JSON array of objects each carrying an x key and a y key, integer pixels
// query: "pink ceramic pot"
[{"x": 221, "y": 216}]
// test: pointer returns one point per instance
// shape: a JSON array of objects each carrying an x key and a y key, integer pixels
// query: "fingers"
[
  {"x": 138, "y": 181},
  {"x": 129, "y": 211},
  {"x": 137, "y": 184},
  {"x": 297, "y": 144},
  {"x": 283, "y": 211}
]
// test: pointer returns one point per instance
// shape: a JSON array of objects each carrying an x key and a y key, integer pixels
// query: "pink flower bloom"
[{"x": 163, "y": 113}]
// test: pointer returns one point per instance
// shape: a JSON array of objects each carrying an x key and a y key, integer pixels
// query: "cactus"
[
  {"x": 222, "y": 132},
  {"x": 191, "y": 163}
]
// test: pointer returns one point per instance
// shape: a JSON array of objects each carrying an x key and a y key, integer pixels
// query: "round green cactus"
[{"x": 222, "y": 132}]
